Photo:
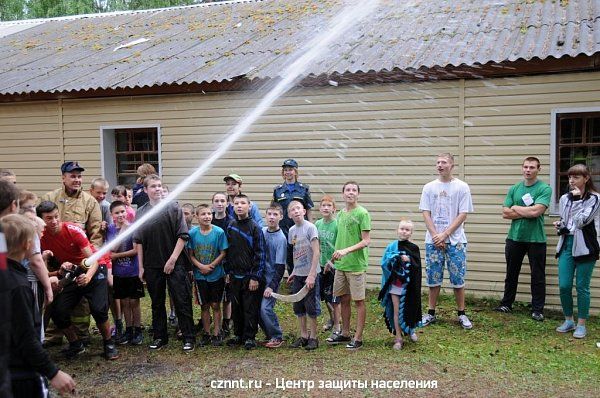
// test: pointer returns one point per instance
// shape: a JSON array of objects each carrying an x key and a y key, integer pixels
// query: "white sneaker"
[
  {"x": 414, "y": 337},
  {"x": 465, "y": 322},
  {"x": 428, "y": 319}
]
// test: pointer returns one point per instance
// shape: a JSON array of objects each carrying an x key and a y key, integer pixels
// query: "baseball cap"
[
  {"x": 233, "y": 177},
  {"x": 290, "y": 163},
  {"x": 67, "y": 167}
]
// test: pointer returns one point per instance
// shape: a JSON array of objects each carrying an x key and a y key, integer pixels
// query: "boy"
[
  {"x": 206, "y": 247},
  {"x": 127, "y": 286},
  {"x": 70, "y": 247},
  {"x": 327, "y": 227},
  {"x": 245, "y": 265},
  {"x": 401, "y": 282},
  {"x": 351, "y": 259},
  {"x": 98, "y": 190},
  {"x": 276, "y": 258},
  {"x": 161, "y": 242},
  {"x": 188, "y": 214},
  {"x": 221, "y": 219},
  {"x": 304, "y": 238},
  {"x": 445, "y": 203},
  {"x": 29, "y": 364}
]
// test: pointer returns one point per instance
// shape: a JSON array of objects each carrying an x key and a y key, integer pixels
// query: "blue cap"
[
  {"x": 290, "y": 163},
  {"x": 68, "y": 167}
]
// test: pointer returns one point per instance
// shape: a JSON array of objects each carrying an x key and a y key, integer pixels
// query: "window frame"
[
  {"x": 556, "y": 112},
  {"x": 108, "y": 149}
]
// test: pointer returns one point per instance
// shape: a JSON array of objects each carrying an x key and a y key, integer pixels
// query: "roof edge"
[{"x": 521, "y": 67}]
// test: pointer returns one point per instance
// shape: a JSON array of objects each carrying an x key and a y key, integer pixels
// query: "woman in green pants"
[{"x": 578, "y": 248}]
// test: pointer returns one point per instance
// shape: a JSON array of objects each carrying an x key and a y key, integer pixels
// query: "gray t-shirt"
[{"x": 300, "y": 237}]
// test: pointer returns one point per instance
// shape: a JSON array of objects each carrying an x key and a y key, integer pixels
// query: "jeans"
[
  {"x": 269, "y": 321},
  {"x": 582, "y": 271}
]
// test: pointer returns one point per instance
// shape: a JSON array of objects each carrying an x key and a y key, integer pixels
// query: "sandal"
[{"x": 337, "y": 339}]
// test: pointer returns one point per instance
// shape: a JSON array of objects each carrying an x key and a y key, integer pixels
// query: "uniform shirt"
[
  {"x": 81, "y": 209},
  {"x": 284, "y": 194}
]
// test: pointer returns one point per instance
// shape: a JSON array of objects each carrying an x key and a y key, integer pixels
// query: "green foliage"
[{"x": 11, "y": 10}]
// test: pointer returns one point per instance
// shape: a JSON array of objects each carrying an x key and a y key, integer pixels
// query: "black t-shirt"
[{"x": 159, "y": 235}]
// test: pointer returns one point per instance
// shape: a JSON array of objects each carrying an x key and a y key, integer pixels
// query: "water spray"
[{"x": 352, "y": 14}]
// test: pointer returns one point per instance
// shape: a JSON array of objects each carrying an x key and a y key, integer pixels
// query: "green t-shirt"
[
  {"x": 528, "y": 229},
  {"x": 350, "y": 225},
  {"x": 327, "y": 235}
]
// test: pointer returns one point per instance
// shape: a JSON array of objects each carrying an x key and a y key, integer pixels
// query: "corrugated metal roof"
[{"x": 216, "y": 42}]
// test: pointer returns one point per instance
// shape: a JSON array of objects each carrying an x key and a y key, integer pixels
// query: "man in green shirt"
[
  {"x": 525, "y": 205},
  {"x": 351, "y": 260}
]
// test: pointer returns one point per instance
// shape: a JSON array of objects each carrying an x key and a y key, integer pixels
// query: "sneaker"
[
  {"x": 137, "y": 339},
  {"x": 173, "y": 321},
  {"x": 125, "y": 337},
  {"x": 75, "y": 348},
  {"x": 188, "y": 346},
  {"x": 250, "y": 344},
  {"x": 157, "y": 344},
  {"x": 354, "y": 345},
  {"x": 504, "y": 309},
  {"x": 205, "y": 340},
  {"x": 428, "y": 319},
  {"x": 274, "y": 343},
  {"x": 337, "y": 339},
  {"x": 235, "y": 340},
  {"x": 465, "y": 322},
  {"x": 216, "y": 341},
  {"x": 537, "y": 316},
  {"x": 579, "y": 332},
  {"x": 413, "y": 337},
  {"x": 398, "y": 344},
  {"x": 566, "y": 327},
  {"x": 300, "y": 342},
  {"x": 110, "y": 350},
  {"x": 312, "y": 344}
]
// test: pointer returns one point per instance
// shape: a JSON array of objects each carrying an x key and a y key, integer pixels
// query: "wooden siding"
[{"x": 384, "y": 136}]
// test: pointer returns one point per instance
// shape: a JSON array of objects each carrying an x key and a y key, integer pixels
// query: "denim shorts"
[
  {"x": 310, "y": 305},
  {"x": 455, "y": 259}
]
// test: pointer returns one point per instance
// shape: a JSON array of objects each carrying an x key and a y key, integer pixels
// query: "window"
[
  {"x": 124, "y": 149},
  {"x": 577, "y": 141}
]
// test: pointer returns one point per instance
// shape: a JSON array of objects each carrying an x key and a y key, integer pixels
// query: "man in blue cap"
[{"x": 78, "y": 207}]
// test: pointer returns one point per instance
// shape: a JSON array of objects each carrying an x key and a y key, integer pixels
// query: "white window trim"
[
  {"x": 104, "y": 129},
  {"x": 553, "y": 182}
]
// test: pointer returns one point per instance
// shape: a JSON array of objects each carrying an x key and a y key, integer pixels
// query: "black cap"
[
  {"x": 290, "y": 163},
  {"x": 68, "y": 167}
]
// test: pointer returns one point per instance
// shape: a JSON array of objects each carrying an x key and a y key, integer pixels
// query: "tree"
[{"x": 11, "y": 10}]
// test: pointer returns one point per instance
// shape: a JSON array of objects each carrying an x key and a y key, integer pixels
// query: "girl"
[
  {"x": 577, "y": 249},
  {"x": 120, "y": 193}
]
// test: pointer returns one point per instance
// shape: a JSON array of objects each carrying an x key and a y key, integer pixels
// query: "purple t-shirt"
[{"x": 124, "y": 266}]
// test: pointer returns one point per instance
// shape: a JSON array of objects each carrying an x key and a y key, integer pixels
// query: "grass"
[{"x": 504, "y": 355}]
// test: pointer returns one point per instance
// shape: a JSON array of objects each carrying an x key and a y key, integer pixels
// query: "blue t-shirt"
[
  {"x": 276, "y": 244},
  {"x": 206, "y": 248},
  {"x": 125, "y": 266}
]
